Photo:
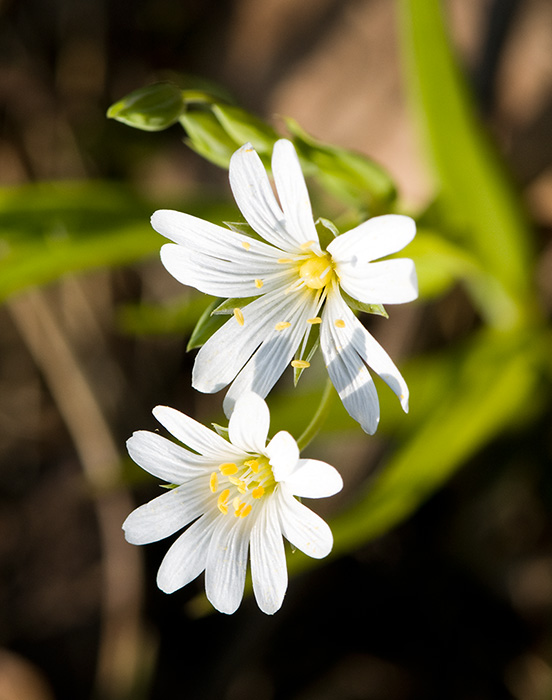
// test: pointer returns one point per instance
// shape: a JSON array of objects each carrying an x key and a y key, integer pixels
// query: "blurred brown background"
[{"x": 456, "y": 602}]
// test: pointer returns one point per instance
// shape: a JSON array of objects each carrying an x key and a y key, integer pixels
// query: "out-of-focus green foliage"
[
  {"x": 477, "y": 207},
  {"x": 151, "y": 108},
  {"x": 50, "y": 229}
]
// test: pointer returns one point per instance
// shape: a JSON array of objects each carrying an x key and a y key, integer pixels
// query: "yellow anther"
[
  {"x": 340, "y": 323},
  {"x": 283, "y": 324},
  {"x": 242, "y": 487},
  {"x": 246, "y": 245},
  {"x": 238, "y": 509},
  {"x": 222, "y": 501},
  {"x": 306, "y": 244},
  {"x": 253, "y": 465},
  {"x": 245, "y": 512},
  {"x": 213, "y": 482},
  {"x": 238, "y": 315},
  {"x": 300, "y": 364},
  {"x": 259, "y": 283},
  {"x": 316, "y": 272},
  {"x": 314, "y": 320},
  {"x": 258, "y": 492},
  {"x": 236, "y": 503},
  {"x": 228, "y": 468},
  {"x": 285, "y": 260}
]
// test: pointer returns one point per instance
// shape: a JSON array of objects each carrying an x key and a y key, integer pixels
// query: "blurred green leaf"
[
  {"x": 152, "y": 319},
  {"x": 50, "y": 229},
  {"x": 243, "y": 127},
  {"x": 477, "y": 200},
  {"x": 351, "y": 177},
  {"x": 206, "y": 136},
  {"x": 151, "y": 108}
]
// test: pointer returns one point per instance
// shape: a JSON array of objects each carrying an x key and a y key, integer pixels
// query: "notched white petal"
[
  {"x": 249, "y": 423},
  {"x": 312, "y": 478},
  {"x": 268, "y": 560},
  {"x": 303, "y": 528},
  {"x": 283, "y": 454}
]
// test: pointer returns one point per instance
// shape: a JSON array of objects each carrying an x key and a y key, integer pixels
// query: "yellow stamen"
[
  {"x": 285, "y": 260},
  {"x": 259, "y": 283},
  {"x": 258, "y": 492},
  {"x": 340, "y": 323},
  {"x": 236, "y": 503},
  {"x": 222, "y": 501},
  {"x": 238, "y": 315},
  {"x": 246, "y": 245},
  {"x": 245, "y": 512},
  {"x": 213, "y": 482},
  {"x": 306, "y": 244},
  {"x": 253, "y": 465},
  {"x": 228, "y": 468},
  {"x": 238, "y": 511},
  {"x": 283, "y": 324},
  {"x": 314, "y": 320},
  {"x": 300, "y": 364}
]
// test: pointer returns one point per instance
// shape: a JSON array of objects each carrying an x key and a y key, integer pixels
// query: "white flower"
[
  {"x": 237, "y": 495},
  {"x": 297, "y": 284}
]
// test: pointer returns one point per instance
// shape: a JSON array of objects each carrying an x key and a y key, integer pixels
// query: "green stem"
[{"x": 319, "y": 417}]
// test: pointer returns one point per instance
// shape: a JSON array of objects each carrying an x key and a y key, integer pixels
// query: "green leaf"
[
  {"x": 151, "y": 108},
  {"x": 207, "y": 137},
  {"x": 243, "y": 128},
  {"x": 351, "y": 177},
  {"x": 478, "y": 202},
  {"x": 222, "y": 431}
]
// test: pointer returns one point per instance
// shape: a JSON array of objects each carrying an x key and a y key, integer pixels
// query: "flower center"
[
  {"x": 317, "y": 271},
  {"x": 238, "y": 486}
]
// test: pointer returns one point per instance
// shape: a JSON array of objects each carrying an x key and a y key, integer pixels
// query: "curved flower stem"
[{"x": 319, "y": 417}]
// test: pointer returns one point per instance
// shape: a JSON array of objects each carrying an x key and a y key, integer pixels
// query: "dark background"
[{"x": 456, "y": 602}]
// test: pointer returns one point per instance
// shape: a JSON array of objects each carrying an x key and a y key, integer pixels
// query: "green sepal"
[
  {"x": 205, "y": 327},
  {"x": 245, "y": 229},
  {"x": 326, "y": 230},
  {"x": 206, "y": 137},
  {"x": 243, "y": 127},
  {"x": 376, "y": 309},
  {"x": 169, "y": 486},
  {"x": 351, "y": 177},
  {"x": 222, "y": 431},
  {"x": 307, "y": 353},
  {"x": 151, "y": 108},
  {"x": 227, "y": 307}
]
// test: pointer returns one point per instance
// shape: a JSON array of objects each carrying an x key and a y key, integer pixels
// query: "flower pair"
[{"x": 288, "y": 295}]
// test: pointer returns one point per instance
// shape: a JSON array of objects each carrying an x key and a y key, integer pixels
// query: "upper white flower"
[
  {"x": 297, "y": 285},
  {"x": 241, "y": 495}
]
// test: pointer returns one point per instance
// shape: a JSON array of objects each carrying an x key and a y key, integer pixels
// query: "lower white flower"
[
  {"x": 238, "y": 495},
  {"x": 298, "y": 287}
]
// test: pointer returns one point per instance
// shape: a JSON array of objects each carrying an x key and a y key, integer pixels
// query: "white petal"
[
  {"x": 187, "y": 557},
  {"x": 386, "y": 282},
  {"x": 197, "y": 235},
  {"x": 283, "y": 454},
  {"x": 347, "y": 371},
  {"x": 163, "y": 458},
  {"x": 268, "y": 560},
  {"x": 312, "y": 478},
  {"x": 303, "y": 528},
  {"x": 249, "y": 423},
  {"x": 254, "y": 197},
  {"x": 379, "y": 236},
  {"x": 292, "y": 192},
  {"x": 218, "y": 277},
  {"x": 227, "y": 563},
  {"x": 194, "y": 434},
  {"x": 266, "y": 366},
  {"x": 167, "y": 513},
  {"x": 345, "y": 351}
]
